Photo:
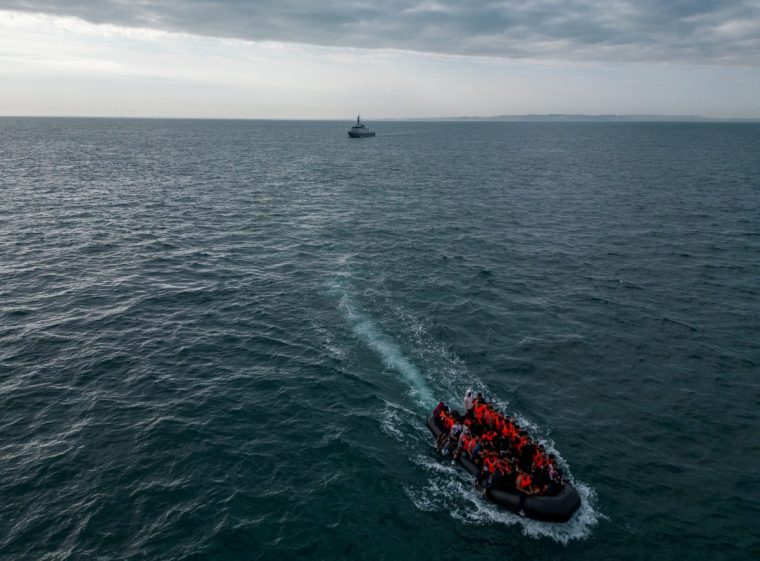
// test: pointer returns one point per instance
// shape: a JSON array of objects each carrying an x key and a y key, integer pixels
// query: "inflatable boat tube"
[{"x": 557, "y": 508}]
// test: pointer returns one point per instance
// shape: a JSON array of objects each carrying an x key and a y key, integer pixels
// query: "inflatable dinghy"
[{"x": 554, "y": 508}]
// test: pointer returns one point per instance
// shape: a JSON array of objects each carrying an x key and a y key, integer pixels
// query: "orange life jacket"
[
  {"x": 471, "y": 446},
  {"x": 539, "y": 459}
]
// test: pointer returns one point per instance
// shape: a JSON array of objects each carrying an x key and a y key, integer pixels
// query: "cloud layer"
[{"x": 692, "y": 31}]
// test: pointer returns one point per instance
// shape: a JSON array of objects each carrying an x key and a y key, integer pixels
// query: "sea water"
[{"x": 220, "y": 339}]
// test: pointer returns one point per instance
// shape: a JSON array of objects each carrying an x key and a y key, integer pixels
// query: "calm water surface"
[{"x": 219, "y": 339}]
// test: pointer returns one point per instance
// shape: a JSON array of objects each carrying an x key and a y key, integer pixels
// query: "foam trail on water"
[
  {"x": 449, "y": 489},
  {"x": 388, "y": 350}
]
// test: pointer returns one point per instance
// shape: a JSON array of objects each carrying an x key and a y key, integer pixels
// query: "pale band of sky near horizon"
[{"x": 393, "y": 59}]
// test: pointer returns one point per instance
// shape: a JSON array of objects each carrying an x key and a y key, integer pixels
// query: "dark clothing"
[{"x": 523, "y": 496}]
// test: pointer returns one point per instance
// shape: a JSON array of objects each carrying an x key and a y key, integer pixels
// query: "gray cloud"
[{"x": 698, "y": 31}]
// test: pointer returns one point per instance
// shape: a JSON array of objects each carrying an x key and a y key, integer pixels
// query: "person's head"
[
  {"x": 480, "y": 397},
  {"x": 468, "y": 393},
  {"x": 552, "y": 458}
]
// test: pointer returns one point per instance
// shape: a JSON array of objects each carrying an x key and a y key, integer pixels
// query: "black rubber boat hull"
[{"x": 558, "y": 508}]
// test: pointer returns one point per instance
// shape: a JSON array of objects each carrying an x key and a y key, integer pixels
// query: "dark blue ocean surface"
[{"x": 219, "y": 339}]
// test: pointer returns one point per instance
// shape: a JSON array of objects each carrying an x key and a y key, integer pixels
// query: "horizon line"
[{"x": 561, "y": 117}]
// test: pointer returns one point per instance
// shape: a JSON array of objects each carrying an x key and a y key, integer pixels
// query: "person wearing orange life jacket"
[
  {"x": 438, "y": 408},
  {"x": 456, "y": 428},
  {"x": 464, "y": 439},
  {"x": 539, "y": 457},
  {"x": 524, "y": 482},
  {"x": 449, "y": 420},
  {"x": 449, "y": 444},
  {"x": 479, "y": 410},
  {"x": 487, "y": 469},
  {"x": 470, "y": 445},
  {"x": 444, "y": 423},
  {"x": 498, "y": 473},
  {"x": 439, "y": 414},
  {"x": 505, "y": 433},
  {"x": 486, "y": 414},
  {"x": 521, "y": 441},
  {"x": 497, "y": 418},
  {"x": 524, "y": 486},
  {"x": 474, "y": 450}
]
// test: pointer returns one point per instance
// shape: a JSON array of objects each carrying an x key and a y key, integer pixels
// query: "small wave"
[
  {"x": 327, "y": 339},
  {"x": 390, "y": 421}
]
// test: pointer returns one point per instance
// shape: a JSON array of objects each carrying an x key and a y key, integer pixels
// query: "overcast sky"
[{"x": 395, "y": 58}]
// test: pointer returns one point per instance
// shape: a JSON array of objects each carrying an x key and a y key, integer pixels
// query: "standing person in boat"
[{"x": 468, "y": 404}]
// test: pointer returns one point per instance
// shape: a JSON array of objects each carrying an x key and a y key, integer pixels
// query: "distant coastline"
[{"x": 580, "y": 117}]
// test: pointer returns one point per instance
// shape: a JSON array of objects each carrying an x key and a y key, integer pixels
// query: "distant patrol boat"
[{"x": 360, "y": 130}]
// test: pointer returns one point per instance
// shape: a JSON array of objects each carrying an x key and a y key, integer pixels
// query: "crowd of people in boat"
[{"x": 507, "y": 457}]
